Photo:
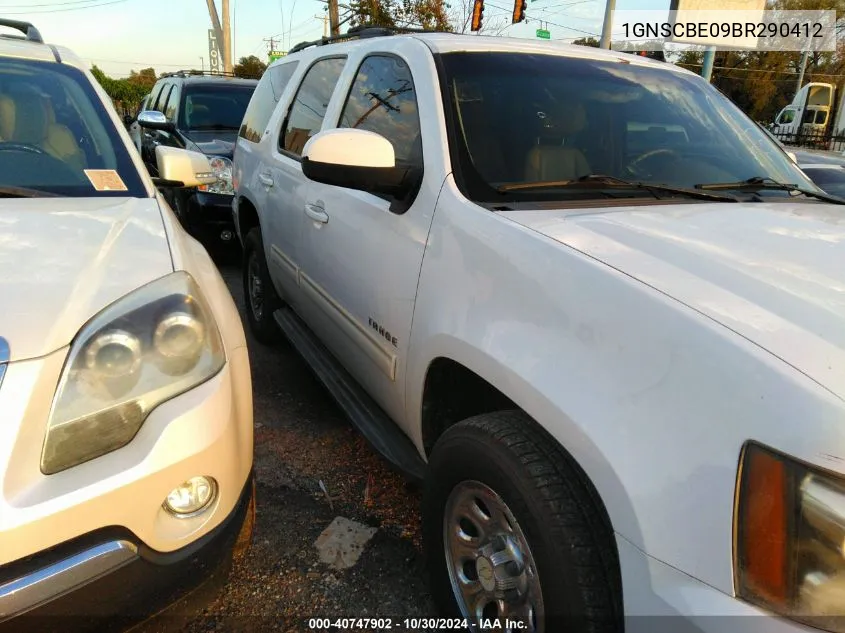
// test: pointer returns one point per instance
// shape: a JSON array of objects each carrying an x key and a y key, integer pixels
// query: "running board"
[{"x": 364, "y": 413}]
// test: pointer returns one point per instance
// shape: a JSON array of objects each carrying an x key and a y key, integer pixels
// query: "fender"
[{"x": 628, "y": 380}]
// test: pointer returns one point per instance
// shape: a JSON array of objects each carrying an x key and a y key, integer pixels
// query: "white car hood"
[
  {"x": 62, "y": 260},
  {"x": 772, "y": 272}
]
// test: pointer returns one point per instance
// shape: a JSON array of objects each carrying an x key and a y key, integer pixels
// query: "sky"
[{"x": 123, "y": 35}]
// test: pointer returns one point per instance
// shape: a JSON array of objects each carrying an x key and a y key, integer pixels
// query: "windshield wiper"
[
  {"x": 760, "y": 182},
  {"x": 24, "y": 192},
  {"x": 601, "y": 181}
]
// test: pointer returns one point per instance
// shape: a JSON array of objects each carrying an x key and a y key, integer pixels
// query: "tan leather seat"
[
  {"x": 559, "y": 162},
  {"x": 61, "y": 142},
  {"x": 38, "y": 127},
  {"x": 7, "y": 118}
]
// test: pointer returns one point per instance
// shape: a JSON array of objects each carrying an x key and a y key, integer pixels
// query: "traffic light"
[
  {"x": 477, "y": 15},
  {"x": 518, "y": 11}
]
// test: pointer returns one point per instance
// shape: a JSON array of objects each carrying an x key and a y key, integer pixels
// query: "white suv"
[
  {"x": 583, "y": 296},
  {"x": 125, "y": 395}
]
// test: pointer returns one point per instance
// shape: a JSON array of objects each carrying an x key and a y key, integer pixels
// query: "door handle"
[
  {"x": 266, "y": 180},
  {"x": 316, "y": 212}
]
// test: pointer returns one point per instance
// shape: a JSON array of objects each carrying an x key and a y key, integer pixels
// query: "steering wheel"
[
  {"x": 11, "y": 146},
  {"x": 632, "y": 166}
]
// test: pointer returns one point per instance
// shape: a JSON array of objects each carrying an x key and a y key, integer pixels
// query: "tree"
[
  {"x": 460, "y": 17},
  {"x": 425, "y": 14},
  {"x": 250, "y": 68},
  {"x": 587, "y": 41},
  {"x": 127, "y": 93}
]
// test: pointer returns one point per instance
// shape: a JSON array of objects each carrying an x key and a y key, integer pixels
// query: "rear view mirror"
[
  {"x": 183, "y": 168},
  {"x": 355, "y": 159}
]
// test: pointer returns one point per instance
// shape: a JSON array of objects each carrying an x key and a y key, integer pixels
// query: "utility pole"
[
  {"x": 325, "y": 19},
  {"x": 804, "y": 57},
  {"x": 223, "y": 32},
  {"x": 608, "y": 24},
  {"x": 707, "y": 65},
  {"x": 228, "y": 65},
  {"x": 334, "y": 17}
]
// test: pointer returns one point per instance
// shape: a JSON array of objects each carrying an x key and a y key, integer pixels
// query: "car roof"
[
  {"x": 30, "y": 45},
  {"x": 454, "y": 42},
  {"x": 821, "y": 165},
  {"x": 211, "y": 80}
]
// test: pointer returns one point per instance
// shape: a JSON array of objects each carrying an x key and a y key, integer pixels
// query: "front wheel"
[
  {"x": 259, "y": 294},
  {"x": 514, "y": 533}
]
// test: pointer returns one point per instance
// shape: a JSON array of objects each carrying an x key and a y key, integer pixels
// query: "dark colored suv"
[{"x": 203, "y": 113}]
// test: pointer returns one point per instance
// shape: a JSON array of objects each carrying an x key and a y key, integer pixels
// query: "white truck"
[
  {"x": 814, "y": 112},
  {"x": 564, "y": 287}
]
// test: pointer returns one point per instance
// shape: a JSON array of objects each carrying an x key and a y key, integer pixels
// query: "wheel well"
[
  {"x": 247, "y": 217},
  {"x": 453, "y": 393}
]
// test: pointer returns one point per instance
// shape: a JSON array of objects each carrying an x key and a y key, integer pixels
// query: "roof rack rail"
[
  {"x": 26, "y": 28},
  {"x": 360, "y": 32},
  {"x": 198, "y": 73}
]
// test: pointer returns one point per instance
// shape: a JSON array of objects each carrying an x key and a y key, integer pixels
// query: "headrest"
[
  {"x": 31, "y": 128},
  {"x": 574, "y": 121},
  {"x": 7, "y": 117}
]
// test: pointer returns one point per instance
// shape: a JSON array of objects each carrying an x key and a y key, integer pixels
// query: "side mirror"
[
  {"x": 154, "y": 120},
  {"x": 183, "y": 168},
  {"x": 793, "y": 157},
  {"x": 356, "y": 159}
]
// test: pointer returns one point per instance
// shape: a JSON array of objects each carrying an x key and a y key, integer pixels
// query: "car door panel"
[
  {"x": 360, "y": 260},
  {"x": 283, "y": 180}
]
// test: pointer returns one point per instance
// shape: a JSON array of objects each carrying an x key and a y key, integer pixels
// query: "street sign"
[
  {"x": 274, "y": 55},
  {"x": 543, "y": 34},
  {"x": 215, "y": 59}
]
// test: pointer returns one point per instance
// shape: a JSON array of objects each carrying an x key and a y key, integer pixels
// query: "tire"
[
  {"x": 554, "y": 524},
  {"x": 259, "y": 313}
]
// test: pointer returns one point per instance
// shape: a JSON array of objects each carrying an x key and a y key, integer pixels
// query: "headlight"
[
  {"x": 790, "y": 538},
  {"x": 148, "y": 347},
  {"x": 222, "y": 168}
]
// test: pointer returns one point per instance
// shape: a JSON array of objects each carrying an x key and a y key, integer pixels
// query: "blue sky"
[{"x": 122, "y": 35}]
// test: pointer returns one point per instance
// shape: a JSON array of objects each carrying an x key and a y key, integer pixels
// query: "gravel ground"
[{"x": 301, "y": 439}]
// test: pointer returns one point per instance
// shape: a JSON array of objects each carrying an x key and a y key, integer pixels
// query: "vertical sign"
[{"x": 214, "y": 56}]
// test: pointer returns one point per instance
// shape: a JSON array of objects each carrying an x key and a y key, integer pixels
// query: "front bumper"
[
  {"x": 208, "y": 217},
  {"x": 109, "y": 579}
]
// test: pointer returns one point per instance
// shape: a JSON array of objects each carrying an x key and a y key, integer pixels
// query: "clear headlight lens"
[
  {"x": 150, "y": 346},
  {"x": 790, "y": 538},
  {"x": 222, "y": 168}
]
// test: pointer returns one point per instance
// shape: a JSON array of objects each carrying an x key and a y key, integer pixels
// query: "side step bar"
[{"x": 367, "y": 416}]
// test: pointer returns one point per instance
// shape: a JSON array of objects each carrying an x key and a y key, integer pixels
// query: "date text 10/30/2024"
[{"x": 422, "y": 624}]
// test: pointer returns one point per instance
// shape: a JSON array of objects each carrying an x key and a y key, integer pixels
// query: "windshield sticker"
[{"x": 105, "y": 179}]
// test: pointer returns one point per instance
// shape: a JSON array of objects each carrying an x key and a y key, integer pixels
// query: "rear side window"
[
  {"x": 310, "y": 103},
  {"x": 383, "y": 100},
  {"x": 169, "y": 109},
  {"x": 264, "y": 101}
]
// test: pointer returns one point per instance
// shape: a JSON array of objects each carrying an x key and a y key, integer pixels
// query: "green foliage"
[
  {"x": 126, "y": 93},
  {"x": 426, "y": 14},
  {"x": 250, "y": 68}
]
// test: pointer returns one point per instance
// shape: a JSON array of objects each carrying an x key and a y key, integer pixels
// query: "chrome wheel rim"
[
  {"x": 491, "y": 567},
  {"x": 256, "y": 288}
]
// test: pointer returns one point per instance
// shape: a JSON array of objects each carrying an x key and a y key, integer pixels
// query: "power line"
[
  {"x": 49, "y": 4},
  {"x": 89, "y": 6},
  {"x": 141, "y": 64}
]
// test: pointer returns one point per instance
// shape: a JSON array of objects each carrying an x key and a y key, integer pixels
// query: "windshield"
[
  {"x": 56, "y": 135},
  {"x": 521, "y": 118},
  {"x": 215, "y": 107},
  {"x": 830, "y": 179}
]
